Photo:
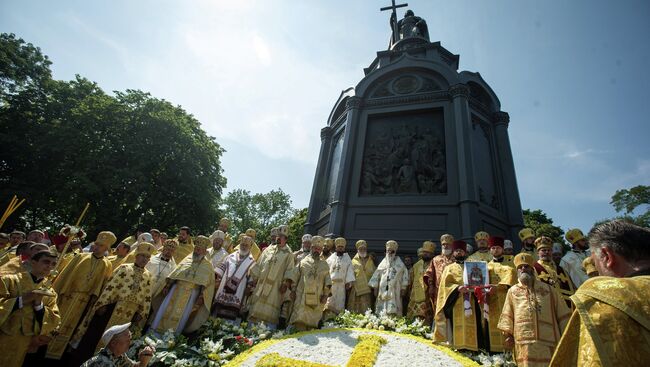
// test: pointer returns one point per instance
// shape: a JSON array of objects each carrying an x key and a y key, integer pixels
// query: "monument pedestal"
[{"x": 415, "y": 150}]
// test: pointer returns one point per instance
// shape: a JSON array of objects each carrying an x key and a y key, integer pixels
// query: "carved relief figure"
[{"x": 404, "y": 155}]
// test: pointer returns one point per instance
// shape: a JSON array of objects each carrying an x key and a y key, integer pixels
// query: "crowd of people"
[{"x": 65, "y": 304}]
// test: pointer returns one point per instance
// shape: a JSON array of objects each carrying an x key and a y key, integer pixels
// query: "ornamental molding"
[
  {"x": 417, "y": 98},
  {"x": 459, "y": 90},
  {"x": 501, "y": 117},
  {"x": 352, "y": 103},
  {"x": 325, "y": 133}
]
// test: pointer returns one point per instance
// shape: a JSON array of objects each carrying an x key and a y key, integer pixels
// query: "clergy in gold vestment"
[
  {"x": 125, "y": 299},
  {"x": 216, "y": 253},
  {"x": 611, "y": 324},
  {"x": 27, "y": 319},
  {"x": 160, "y": 266},
  {"x": 185, "y": 245},
  {"x": 312, "y": 285},
  {"x": 457, "y": 320},
  {"x": 305, "y": 249},
  {"x": 534, "y": 316},
  {"x": 433, "y": 273},
  {"x": 77, "y": 286},
  {"x": 483, "y": 250},
  {"x": 273, "y": 278},
  {"x": 188, "y": 293},
  {"x": 20, "y": 262},
  {"x": 419, "y": 305},
  {"x": 502, "y": 277},
  {"x": 144, "y": 237},
  {"x": 360, "y": 298},
  {"x": 59, "y": 242},
  {"x": 527, "y": 237},
  {"x": 550, "y": 273}
]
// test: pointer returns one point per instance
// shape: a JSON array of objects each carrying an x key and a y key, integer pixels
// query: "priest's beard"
[
  {"x": 243, "y": 253},
  {"x": 526, "y": 279},
  {"x": 340, "y": 253},
  {"x": 196, "y": 258},
  {"x": 460, "y": 259},
  {"x": 363, "y": 254},
  {"x": 315, "y": 255},
  {"x": 390, "y": 258},
  {"x": 446, "y": 251}
]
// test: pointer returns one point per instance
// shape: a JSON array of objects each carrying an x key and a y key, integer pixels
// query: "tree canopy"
[
  {"x": 543, "y": 225},
  {"x": 628, "y": 201},
  {"x": 260, "y": 212},
  {"x": 135, "y": 158}
]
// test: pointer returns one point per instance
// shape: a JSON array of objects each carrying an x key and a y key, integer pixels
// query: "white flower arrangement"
[
  {"x": 383, "y": 321},
  {"x": 219, "y": 341}
]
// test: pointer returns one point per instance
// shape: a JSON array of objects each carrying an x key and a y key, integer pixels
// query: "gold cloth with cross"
[
  {"x": 610, "y": 325},
  {"x": 129, "y": 288}
]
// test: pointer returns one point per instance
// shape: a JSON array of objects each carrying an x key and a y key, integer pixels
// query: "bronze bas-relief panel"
[{"x": 404, "y": 154}]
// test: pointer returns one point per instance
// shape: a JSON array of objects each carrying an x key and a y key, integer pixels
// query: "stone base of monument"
[{"x": 349, "y": 347}]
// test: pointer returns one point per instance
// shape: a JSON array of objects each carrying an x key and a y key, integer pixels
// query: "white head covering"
[
  {"x": 217, "y": 234},
  {"x": 145, "y": 237},
  {"x": 306, "y": 237},
  {"x": 507, "y": 244},
  {"x": 112, "y": 331}
]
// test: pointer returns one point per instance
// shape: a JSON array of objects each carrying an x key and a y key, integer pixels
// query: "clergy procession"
[{"x": 70, "y": 305}]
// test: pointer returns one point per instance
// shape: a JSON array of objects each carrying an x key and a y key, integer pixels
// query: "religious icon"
[{"x": 475, "y": 274}]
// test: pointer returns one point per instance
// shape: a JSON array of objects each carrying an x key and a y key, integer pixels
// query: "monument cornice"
[
  {"x": 501, "y": 118},
  {"x": 413, "y": 98},
  {"x": 325, "y": 133},
  {"x": 353, "y": 102}
]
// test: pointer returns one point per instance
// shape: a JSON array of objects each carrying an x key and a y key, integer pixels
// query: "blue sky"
[{"x": 262, "y": 76}]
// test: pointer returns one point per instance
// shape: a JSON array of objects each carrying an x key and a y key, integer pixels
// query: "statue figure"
[{"x": 407, "y": 27}]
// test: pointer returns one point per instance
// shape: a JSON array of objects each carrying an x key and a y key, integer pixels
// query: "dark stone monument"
[{"x": 415, "y": 150}]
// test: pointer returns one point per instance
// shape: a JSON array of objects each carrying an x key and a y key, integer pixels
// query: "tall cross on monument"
[{"x": 393, "y": 18}]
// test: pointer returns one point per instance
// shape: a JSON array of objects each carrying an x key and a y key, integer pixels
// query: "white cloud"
[
  {"x": 262, "y": 50},
  {"x": 244, "y": 79}
]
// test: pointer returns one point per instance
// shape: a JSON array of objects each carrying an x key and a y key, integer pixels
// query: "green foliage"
[
  {"x": 542, "y": 225},
  {"x": 631, "y": 199},
  {"x": 135, "y": 158},
  {"x": 22, "y": 66},
  {"x": 297, "y": 227},
  {"x": 628, "y": 200},
  {"x": 258, "y": 211}
]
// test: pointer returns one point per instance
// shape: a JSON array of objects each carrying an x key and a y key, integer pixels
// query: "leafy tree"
[
  {"x": 297, "y": 227},
  {"x": 542, "y": 225},
  {"x": 627, "y": 201},
  {"x": 258, "y": 211},
  {"x": 22, "y": 66},
  {"x": 135, "y": 158}
]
